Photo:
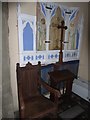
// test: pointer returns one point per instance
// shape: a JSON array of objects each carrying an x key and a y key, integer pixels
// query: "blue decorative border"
[
  {"x": 28, "y": 57},
  {"x": 51, "y": 56},
  {"x": 39, "y": 57},
  {"x": 32, "y": 57},
  {"x": 74, "y": 54}
]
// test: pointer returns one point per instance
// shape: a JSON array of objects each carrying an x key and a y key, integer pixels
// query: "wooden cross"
[{"x": 62, "y": 27}]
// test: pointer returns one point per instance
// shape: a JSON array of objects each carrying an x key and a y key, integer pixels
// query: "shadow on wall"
[{"x": 7, "y": 101}]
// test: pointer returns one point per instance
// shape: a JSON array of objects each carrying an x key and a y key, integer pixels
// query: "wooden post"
[{"x": 62, "y": 27}]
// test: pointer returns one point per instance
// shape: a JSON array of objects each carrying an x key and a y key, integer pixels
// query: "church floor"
[{"x": 78, "y": 108}]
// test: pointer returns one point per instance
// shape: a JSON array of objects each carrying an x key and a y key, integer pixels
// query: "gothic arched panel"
[{"x": 27, "y": 38}]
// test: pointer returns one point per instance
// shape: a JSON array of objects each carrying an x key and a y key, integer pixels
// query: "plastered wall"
[
  {"x": 13, "y": 49},
  {"x": 30, "y": 8},
  {"x": 7, "y": 102},
  {"x": 0, "y": 60}
]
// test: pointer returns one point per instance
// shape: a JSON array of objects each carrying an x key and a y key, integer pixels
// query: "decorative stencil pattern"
[
  {"x": 28, "y": 58},
  {"x": 39, "y": 57},
  {"x": 52, "y": 56},
  {"x": 71, "y": 54}
]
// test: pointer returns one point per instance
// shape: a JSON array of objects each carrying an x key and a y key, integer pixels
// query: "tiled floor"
[{"x": 76, "y": 100}]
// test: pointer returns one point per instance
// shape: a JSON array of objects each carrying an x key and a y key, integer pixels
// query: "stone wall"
[
  {"x": 7, "y": 102},
  {"x": 0, "y": 60}
]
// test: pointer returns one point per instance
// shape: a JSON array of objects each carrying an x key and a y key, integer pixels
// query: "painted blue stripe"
[
  {"x": 43, "y": 9},
  {"x": 77, "y": 39},
  {"x": 53, "y": 12},
  {"x": 73, "y": 15}
]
